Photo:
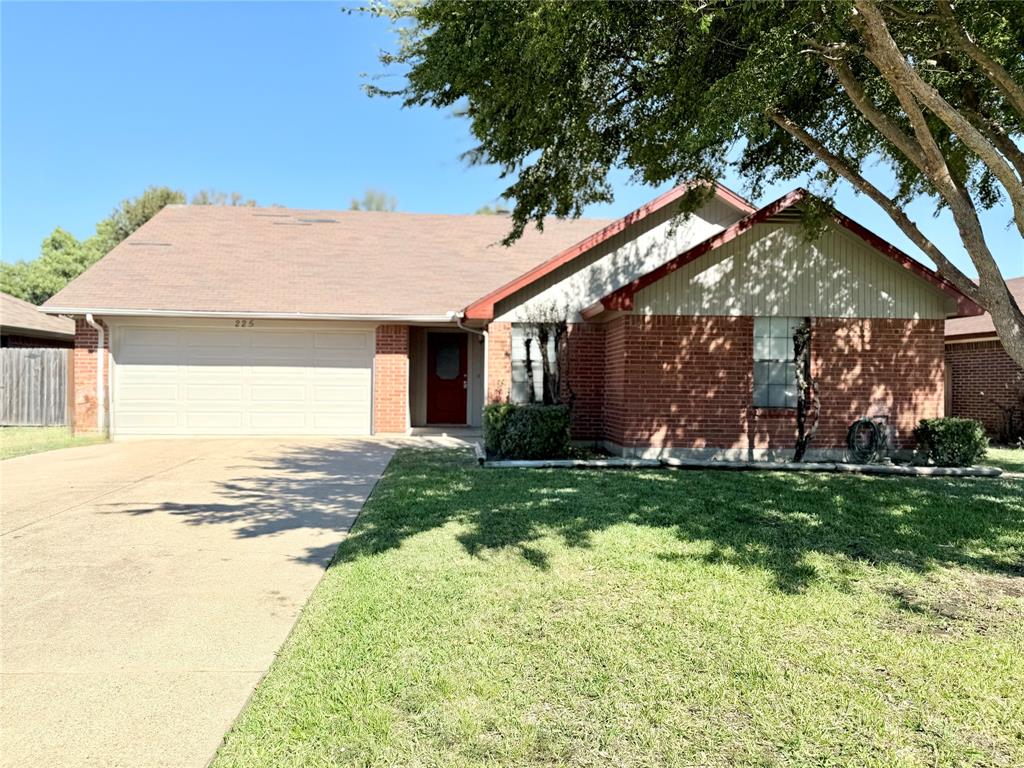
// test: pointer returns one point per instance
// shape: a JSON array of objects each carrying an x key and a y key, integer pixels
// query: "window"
[
  {"x": 447, "y": 358},
  {"x": 774, "y": 362},
  {"x": 520, "y": 378}
]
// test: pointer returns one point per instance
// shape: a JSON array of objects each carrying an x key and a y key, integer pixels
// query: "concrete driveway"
[{"x": 147, "y": 586}]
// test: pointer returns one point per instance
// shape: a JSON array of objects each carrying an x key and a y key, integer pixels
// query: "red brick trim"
[
  {"x": 391, "y": 380},
  {"x": 499, "y": 362}
]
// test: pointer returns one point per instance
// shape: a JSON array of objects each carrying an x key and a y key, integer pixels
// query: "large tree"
[{"x": 559, "y": 94}]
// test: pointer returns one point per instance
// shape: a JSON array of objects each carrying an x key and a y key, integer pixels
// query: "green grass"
[
  {"x": 19, "y": 441},
  {"x": 649, "y": 618},
  {"x": 1007, "y": 459}
]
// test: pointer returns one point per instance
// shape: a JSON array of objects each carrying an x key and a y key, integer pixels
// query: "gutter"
[
  {"x": 255, "y": 315},
  {"x": 458, "y": 317}
]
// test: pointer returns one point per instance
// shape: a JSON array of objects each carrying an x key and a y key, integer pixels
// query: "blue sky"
[{"x": 101, "y": 100}]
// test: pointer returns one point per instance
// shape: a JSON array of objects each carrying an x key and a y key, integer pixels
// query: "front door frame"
[{"x": 433, "y": 382}]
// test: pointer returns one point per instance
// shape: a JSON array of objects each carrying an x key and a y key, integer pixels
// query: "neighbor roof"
[
  {"x": 286, "y": 262},
  {"x": 20, "y": 317},
  {"x": 622, "y": 299},
  {"x": 981, "y": 325}
]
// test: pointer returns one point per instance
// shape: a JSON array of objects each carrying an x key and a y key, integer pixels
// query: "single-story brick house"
[
  {"x": 23, "y": 325},
  {"x": 217, "y": 320},
  {"x": 982, "y": 381}
]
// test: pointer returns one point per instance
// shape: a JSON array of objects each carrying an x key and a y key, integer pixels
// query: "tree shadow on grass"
[{"x": 769, "y": 521}]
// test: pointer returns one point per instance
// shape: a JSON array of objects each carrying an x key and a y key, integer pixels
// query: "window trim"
[{"x": 765, "y": 403}]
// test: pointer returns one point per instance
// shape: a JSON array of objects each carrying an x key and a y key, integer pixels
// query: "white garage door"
[{"x": 241, "y": 381}]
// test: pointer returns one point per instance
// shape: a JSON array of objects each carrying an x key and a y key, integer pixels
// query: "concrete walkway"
[{"x": 147, "y": 586}]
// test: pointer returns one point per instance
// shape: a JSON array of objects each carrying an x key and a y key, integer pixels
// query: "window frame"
[
  {"x": 772, "y": 335},
  {"x": 518, "y": 393}
]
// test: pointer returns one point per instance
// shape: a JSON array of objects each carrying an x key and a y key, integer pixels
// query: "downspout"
[
  {"x": 101, "y": 410},
  {"x": 458, "y": 316}
]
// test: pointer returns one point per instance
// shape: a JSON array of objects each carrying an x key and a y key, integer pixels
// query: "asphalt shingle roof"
[
  {"x": 982, "y": 324},
  {"x": 276, "y": 260},
  {"x": 17, "y": 315}
]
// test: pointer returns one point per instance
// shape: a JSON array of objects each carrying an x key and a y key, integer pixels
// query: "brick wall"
[
  {"x": 687, "y": 382},
  {"x": 499, "y": 362},
  {"x": 85, "y": 411},
  {"x": 34, "y": 342},
  {"x": 615, "y": 395},
  {"x": 391, "y": 379},
  {"x": 878, "y": 367},
  {"x": 681, "y": 382},
  {"x": 583, "y": 379},
  {"x": 983, "y": 378}
]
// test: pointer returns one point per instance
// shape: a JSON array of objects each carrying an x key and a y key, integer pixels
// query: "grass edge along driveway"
[
  {"x": 585, "y": 618},
  {"x": 22, "y": 441}
]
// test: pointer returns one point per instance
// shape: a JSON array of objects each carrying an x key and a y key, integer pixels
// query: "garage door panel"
[
  {"x": 350, "y": 341},
  {"x": 215, "y": 392},
  {"x": 288, "y": 339},
  {"x": 147, "y": 421},
  {"x": 336, "y": 394},
  {"x": 210, "y": 337},
  {"x": 214, "y": 419},
  {"x": 146, "y": 338},
  {"x": 278, "y": 420},
  {"x": 152, "y": 392},
  {"x": 297, "y": 393},
  {"x": 242, "y": 381}
]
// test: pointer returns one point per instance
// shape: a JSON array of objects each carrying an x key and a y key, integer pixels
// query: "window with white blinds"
[{"x": 775, "y": 362}]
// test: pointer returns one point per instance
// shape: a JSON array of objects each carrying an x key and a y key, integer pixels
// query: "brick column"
[
  {"x": 86, "y": 405},
  {"x": 391, "y": 380},
  {"x": 499, "y": 362}
]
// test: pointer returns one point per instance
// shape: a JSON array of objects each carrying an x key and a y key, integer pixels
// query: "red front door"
[{"x": 446, "y": 378}]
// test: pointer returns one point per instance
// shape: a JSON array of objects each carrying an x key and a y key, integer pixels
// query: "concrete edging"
[
  {"x": 609, "y": 463},
  {"x": 736, "y": 466},
  {"x": 836, "y": 467}
]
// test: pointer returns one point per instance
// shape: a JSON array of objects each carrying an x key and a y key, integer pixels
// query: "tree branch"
[
  {"x": 843, "y": 168},
  {"x": 999, "y": 138},
  {"x": 993, "y": 70},
  {"x": 882, "y": 122},
  {"x": 894, "y": 67}
]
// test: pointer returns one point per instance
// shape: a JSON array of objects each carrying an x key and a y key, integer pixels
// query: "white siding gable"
[
  {"x": 633, "y": 252},
  {"x": 773, "y": 270}
]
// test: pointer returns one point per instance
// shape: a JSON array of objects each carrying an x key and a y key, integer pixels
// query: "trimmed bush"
[
  {"x": 527, "y": 431},
  {"x": 951, "y": 442}
]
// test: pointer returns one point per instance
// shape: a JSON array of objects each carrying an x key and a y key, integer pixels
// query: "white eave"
[{"x": 121, "y": 312}]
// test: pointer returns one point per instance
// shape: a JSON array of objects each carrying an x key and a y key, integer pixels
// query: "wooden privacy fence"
[{"x": 34, "y": 386}]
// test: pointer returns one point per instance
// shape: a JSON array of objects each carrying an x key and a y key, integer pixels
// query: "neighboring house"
[
  {"x": 982, "y": 381},
  {"x": 269, "y": 321},
  {"x": 23, "y": 325}
]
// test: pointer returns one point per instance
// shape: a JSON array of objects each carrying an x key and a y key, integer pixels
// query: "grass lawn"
[
  {"x": 1008, "y": 459},
  {"x": 18, "y": 441},
  {"x": 649, "y": 618}
]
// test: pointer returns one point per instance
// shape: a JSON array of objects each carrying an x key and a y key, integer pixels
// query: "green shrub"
[
  {"x": 527, "y": 431},
  {"x": 951, "y": 442},
  {"x": 495, "y": 417}
]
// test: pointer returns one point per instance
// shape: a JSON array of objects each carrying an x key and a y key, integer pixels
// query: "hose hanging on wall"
[{"x": 865, "y": 440}]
